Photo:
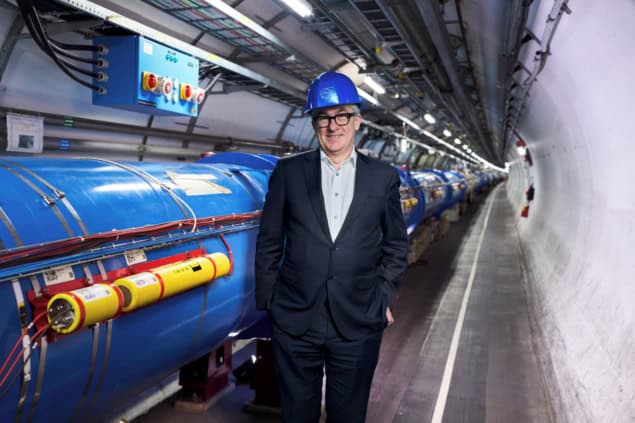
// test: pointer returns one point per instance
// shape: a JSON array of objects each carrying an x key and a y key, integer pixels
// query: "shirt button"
[{"x": 336, "y": 194}]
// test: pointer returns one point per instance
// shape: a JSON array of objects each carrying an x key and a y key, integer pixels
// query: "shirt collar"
[{"x": 352, "y": 158}]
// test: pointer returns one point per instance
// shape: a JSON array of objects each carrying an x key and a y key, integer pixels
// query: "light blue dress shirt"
[{"x": 338, "y": 187}]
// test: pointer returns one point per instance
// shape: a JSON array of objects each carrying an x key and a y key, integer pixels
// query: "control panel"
[{"x": 142, "y": 75}]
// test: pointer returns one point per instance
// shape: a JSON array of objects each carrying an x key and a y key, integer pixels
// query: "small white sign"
[
  {"x": 135, "y": 256},
  {"x": 58, "y": 275},
  {"x": 25, "y": 133},
  {"x": 147, "y": 48}
]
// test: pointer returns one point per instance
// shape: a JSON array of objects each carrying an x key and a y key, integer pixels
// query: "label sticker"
[
  {"x": 58, "y": 275},
  {"x": 147, "y": 48},
  {"x": 135, "y": 256},
  {"x": 93, "y": 293},
  {"x": 143, "y": 279}
]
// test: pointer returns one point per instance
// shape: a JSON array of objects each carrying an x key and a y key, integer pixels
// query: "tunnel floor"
[{"x": 461, "y": 348}]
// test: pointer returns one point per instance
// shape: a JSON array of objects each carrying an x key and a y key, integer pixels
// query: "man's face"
[{"x": 336, "y": 139}]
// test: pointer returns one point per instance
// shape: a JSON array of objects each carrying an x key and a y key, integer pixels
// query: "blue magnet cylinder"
[{"x": 88, "y": 373}]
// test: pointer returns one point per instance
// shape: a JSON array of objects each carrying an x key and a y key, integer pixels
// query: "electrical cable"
[
  {"x": 81, "y": 47},
  {"x": 32, "y": 346},
  {"x": 82, "y": 243},
  {"x": 19, "y": 341},
  {"x": 32, "y": 20},
  {"x": 72, "y": 56}
]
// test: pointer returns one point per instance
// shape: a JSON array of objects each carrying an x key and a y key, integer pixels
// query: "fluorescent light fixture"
[
  {"x": 429, "y": 118},
  {"x": 374, "y": 85},
  {"x": 457, "y": 141},
  {"x": 300, "y": 7},
  {"x": 447, "y": 133},
  {"x": 363, "y": 94}
]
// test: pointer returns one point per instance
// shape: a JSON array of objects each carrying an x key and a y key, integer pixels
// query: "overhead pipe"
[
  {"x": 82, "y": 123},
  {"x": 431, "y": 16}
]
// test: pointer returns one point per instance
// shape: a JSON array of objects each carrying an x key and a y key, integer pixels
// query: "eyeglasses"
[{"x": 342, "y": 119}]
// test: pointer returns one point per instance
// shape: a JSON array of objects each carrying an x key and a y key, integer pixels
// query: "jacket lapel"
[
  {"x": 313, "y": 183},
  {"x": 362, "y": 178}
]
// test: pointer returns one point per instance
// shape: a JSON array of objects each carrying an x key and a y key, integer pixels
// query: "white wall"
[{"x": 580, "y": 234}]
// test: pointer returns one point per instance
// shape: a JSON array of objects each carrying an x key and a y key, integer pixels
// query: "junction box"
[{"x": 142, "y": 75}]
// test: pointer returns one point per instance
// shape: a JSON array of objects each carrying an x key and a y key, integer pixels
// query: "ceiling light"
[
  {"x": 465, "y": 147},
  {"x": 447, "y": 133},
  {"x": 374, "y": 85},
  {"x": 300, "y": 7},
  {"x": 429, "y": 118},
  {"x": 457, "y": 141},
  {"x": 363, "y": 94}
]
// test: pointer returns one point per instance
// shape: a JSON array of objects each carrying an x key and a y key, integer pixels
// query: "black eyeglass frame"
[{"x": 345, "y": 119}]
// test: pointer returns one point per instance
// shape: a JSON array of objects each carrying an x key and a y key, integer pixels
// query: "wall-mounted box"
[{"x": 145, "y": 76}]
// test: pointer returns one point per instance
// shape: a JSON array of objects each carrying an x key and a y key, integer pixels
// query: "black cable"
[
  {"x": 64, "y": 53},
  {"x": 32, "y": 21},
  {"x": 82, "y": 47},
  {"x": 48, "y": 47},
  {"x": 64, "y": 65},
  {"x": 80, "y": 70}
]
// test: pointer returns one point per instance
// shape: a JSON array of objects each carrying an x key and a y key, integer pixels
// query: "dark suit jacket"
[{"x": 299, "y": 266}]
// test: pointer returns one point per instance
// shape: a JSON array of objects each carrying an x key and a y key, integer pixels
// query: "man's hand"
[{"x": 391, "y": 319}]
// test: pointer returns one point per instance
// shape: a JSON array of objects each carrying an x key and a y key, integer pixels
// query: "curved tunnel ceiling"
[{"x": 452, "y": 59}]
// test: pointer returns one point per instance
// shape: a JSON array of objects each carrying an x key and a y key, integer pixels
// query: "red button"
[{"x": 152, "y": 81}]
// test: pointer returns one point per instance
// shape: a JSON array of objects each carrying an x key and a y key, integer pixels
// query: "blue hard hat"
[{"x": 331, "y": 89}]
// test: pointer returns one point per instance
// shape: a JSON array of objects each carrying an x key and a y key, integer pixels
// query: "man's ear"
[{"x": 358, "y": 122}]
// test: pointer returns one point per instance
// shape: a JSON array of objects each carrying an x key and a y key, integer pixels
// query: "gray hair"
[{"x": 316, "y": 113}]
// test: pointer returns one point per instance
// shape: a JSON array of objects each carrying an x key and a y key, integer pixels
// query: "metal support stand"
[
  {"x": 264, "y": 382},
  {"x": 204, "y": 379}
]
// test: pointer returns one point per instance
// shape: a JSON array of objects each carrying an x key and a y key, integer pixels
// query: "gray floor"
[{"x": 495, "y": 376}]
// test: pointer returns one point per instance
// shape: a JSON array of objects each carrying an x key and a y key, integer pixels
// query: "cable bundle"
[
  {"x": 54, "y": 49},
  {"x": 83, "y": 243},
  {"x": 6, "y": 369}
]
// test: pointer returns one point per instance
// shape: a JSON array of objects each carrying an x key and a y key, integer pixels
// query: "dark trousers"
[{"x": 349, "y": 369}]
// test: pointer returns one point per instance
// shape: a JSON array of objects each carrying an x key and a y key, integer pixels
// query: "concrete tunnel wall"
[{"x": 579, "y": 236}]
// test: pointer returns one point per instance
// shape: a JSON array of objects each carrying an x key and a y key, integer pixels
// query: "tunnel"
[{"x": 143, "y": 134}]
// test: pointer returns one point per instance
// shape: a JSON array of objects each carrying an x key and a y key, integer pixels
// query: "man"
[{"x": 330, "y": 254}]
